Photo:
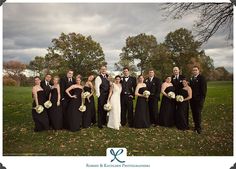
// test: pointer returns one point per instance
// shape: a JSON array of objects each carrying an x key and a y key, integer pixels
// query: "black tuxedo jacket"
[
  {"x": 65, "y": 84},
  {"x": 47, "y": 89},
  {"x": 177, "y": 83},
  {"x": 199, "y": 87},
  {"x": 129, "y": 86},
  {"x": 154, "y": 87}
]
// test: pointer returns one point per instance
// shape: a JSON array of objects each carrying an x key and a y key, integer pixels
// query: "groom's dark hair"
[{"x": 126, "y": 68}]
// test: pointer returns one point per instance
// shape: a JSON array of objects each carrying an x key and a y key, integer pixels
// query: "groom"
[
  {"x": 127, "y": 95},
  {"x": 199, "y": 89},
  {"x": 102, "y": 86}
]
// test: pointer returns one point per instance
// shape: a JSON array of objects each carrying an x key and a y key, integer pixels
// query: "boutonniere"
[
  {"x": 191, "y": 79},
  {"x": 174, "y": 78},
  {"x": 181, "y": 81},
  {"x": 146, "y": 80}
]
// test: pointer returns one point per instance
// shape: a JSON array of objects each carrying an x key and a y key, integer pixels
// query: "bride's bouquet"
[
  {"x": 171, "y": 95},
  {"x": 146, "y": 93},
  {"x": 107, "y": 106},
  {"x": 39, "y": 109},
  {"x": 179, "y": 98},
  {"x": 48, "y": 104}
]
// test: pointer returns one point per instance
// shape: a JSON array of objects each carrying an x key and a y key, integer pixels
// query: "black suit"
[
  {"x": 199, "y": 90},
  {"x": 127, "y": 96},
  {"x": 154, "y": 87},
  {"x": 46, "y": 88},
  {"x": 102, "y": 100},
  {"x": 65, "y": 99},
  {"x": 177, "y": 83}
]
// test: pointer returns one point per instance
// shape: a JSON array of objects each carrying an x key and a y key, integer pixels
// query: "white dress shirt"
[{"x": 98, "y": 82}]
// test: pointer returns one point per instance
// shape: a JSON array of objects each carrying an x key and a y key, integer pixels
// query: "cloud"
[{"x": 29, "y": 28}]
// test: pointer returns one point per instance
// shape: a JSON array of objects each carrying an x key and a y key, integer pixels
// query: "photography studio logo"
[
  {"x": 117, "y": 154},
  {"x": 233, "y": 167},
  {"x": 1, "y": 166}
]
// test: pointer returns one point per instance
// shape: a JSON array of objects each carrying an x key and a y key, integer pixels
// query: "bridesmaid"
[
  {"x": 55, "y": 112},
  {"x": 74, "y": 115},
  {"x": 167, "y": 110},
  {"x": 141, "y": 116},
  {"x": 39, "y": 98},
  {"x": 183, "y": 107},
  {"x": 89, "y": 116}
]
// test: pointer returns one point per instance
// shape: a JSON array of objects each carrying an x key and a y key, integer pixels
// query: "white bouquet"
[
  {"x": 146, "y": 93},
  {"x": 171, "y": 95},
  {"x": 39, "y": 109},
  {"x": 179, "y": 98},
  {"x": 48, "y": 104},
  {"x": 85, "y": 95},
  {"x": 82, "y": 108},
  {"x": 107, "y": 107}
]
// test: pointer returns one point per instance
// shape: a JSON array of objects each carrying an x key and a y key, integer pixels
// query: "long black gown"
[
  {"x": 182, "y": 112},
  {"x": 55, "y": 112},
  {"x": 74, "y": 115},
  {"x": 41, "y": 120},
  {"x": 86, "y": 122},
  {"x": 141, "y": 116},
  {"x": 167, "y": 110}
]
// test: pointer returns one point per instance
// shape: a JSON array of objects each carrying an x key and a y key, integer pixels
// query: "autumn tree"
[{"x": 14, "y": 69}]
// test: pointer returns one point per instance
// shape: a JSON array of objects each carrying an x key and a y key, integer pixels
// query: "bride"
[{"x": 114, "y": 99}]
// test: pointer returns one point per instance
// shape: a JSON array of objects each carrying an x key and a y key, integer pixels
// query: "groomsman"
[
  {"x": 65, "y": 83},
  {"x": 154, "y": 86},
  {"x": 46, "y": 84},
  {"x": 102, "y": 86},
  {"x": 176, "y": 80},
  {"x": 127, "y": 95},
  {"x": 199, "y": 89}
]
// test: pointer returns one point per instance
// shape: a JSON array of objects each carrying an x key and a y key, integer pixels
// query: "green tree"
[
  {"x": 74, "y": 51},
  {"x": 37, "y": 65},
  {"x": 183, "y": 48},
  {"x": 161, "y": 61},
  {"x": 141, "y": 48}
]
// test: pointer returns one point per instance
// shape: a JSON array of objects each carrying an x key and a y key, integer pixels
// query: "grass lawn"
[{"x": 216, "y": 139}]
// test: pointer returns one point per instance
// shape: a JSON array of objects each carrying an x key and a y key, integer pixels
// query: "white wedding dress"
[{"x": 115, "y": 113}]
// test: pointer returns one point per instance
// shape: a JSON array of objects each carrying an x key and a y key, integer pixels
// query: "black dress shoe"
[{"x": 199, "y": 131}]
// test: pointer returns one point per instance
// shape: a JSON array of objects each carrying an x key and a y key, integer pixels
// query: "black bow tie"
[{"x": 126, "y": 77}]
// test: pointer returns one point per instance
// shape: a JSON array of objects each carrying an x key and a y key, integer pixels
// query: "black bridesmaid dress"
[
  {"x": 41, "y": 120},
  {"x": 74, "y": 115},
  {"x": 93, "y": 110},
  {"x": 167, "y": 110},
  {"x": 55, "y": 112},
  {"x": 141, "y": 116},
  {"x": 86, "y": 117},
  {"x": 182, "y": 112}
]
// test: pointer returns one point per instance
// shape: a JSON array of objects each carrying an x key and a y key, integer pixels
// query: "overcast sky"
[{"x": 29, "y": 28}]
